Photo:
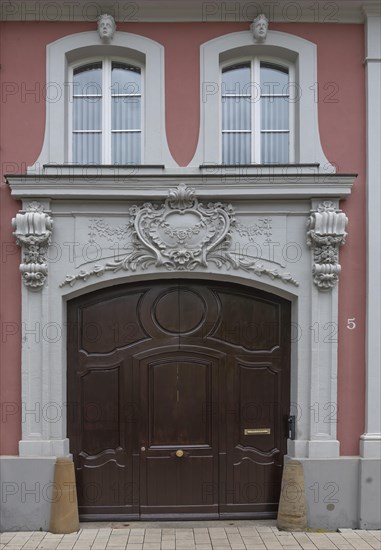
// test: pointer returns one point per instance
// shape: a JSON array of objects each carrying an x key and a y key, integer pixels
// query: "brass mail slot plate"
[{"x": 257, "y": 431}]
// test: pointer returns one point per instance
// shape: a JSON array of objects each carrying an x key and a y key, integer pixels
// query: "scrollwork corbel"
[
  {"x": 33, "y": 229},
  {"x": 326, "y": 233}
]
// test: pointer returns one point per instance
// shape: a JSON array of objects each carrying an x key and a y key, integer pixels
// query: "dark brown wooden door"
[
  {"x": 178, "y": 395},
  {"x": 179, "y": 437}
]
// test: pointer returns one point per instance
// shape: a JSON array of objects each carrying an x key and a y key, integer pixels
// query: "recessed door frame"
[{"x": 171, "y": 349}]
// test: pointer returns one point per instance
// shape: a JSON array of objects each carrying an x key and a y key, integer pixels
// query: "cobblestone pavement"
[{"x": 226, "y": 535}]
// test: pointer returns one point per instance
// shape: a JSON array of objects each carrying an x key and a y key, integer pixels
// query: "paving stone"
[
  {"x": 260, "y": 537},
  {"x": 217, "y": 532},
  {"x": 358, "y": 542},
  {"x": 303, "y": 540}
]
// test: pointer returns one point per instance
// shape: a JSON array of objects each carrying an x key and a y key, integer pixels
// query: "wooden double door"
[{"x": 178, "y": 396}]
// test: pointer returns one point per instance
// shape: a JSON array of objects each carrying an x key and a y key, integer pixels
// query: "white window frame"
[
  {"x": 79, "y": 47},
  {"x": 290, "y": 49},
  {"x": 255, "y": 62},
  {"x": 106, "y": 61}
]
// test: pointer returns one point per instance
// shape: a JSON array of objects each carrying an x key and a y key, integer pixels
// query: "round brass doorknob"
[{"x": 179, "y": 453}]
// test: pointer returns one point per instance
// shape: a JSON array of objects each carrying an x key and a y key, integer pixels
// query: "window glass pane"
[
  {"x": 236, "y": 148},
  {"x": 274, "y": 80},
  {"x": 87, "y": 148},
  {"x": 124, "y": 109},
  {"x": 126, "y": 113},
  {"x": 274, "y": 148},
  {"x": 126, "y": 148},
  {"x": 87, "y": 112},
  {"x": 88, "y": 79},
  {"x": 236, "y": 113},
  {"x": 236, "y": 79},
  {"x": 125, "y": 79},
  {"x": 274, "y": 110},
  {"x": 274, "y": 113}
]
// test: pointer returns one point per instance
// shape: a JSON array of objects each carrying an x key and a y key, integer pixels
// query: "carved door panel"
[
  {"x": 102, "y": 414},
  {"x": 179, "y": 436},
  {"x": 191, "y": 366},
  {"x": 254, "y": 331}
]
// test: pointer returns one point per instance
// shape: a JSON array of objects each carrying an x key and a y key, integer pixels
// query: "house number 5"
[{"x": 351, "y": 323}]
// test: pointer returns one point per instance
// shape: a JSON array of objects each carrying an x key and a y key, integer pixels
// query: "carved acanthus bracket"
[
  {"x": 180, "y": 234},
  {"x": 326, "y": 233},
  {"x": 33, "y": 229}
]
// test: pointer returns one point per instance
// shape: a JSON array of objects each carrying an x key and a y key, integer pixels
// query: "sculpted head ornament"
[
  {"x": 259, "y": 28},
  {"x": 106, "y": 27}
]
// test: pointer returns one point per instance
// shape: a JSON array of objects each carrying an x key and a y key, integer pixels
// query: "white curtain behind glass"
[
  {"x": 236, "y": 115},
  {"x": 87, "y": 114},
  {"x": 275, "y": 126},
  {"x": 246, "y": 95},
  {"x": 125, "y": 114},
  {"x": 117, "y": 104}
]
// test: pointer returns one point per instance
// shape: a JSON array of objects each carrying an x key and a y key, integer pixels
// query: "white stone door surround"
[{"x": 67, "y": 242}]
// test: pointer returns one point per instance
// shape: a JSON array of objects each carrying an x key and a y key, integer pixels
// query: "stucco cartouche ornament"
[
  {"x": 180, "y": 234},
  {"x": 33, "y": 229},
  {"x": 326, "y": 233}
]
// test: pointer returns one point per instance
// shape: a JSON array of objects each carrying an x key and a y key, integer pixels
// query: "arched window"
[
  {"x": 256, "y": 113},
  {"x": 106, "y": 113},
  {"x": 111, "y": 110},
  {"x": 257, "y": 104}
]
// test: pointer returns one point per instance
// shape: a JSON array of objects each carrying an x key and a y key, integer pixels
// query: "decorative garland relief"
[{"x": 180, "y": 234}]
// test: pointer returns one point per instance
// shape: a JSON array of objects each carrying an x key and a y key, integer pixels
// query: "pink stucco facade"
[{"x": 341, "y": 110}]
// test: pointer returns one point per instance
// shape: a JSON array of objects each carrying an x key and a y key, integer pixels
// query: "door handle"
[{"x": 179, "y": 453}]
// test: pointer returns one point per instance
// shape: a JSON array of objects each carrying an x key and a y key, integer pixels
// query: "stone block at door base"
[
  {"x": 370, "y": 493},
  {"x": 26, "y": 493},
  {"x": 332, "y": 492}
]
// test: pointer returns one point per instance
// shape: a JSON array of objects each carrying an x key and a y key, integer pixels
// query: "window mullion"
[
  {"x": 256, "y": 111},
  {"x": 70, "y": 125},
  {"x": 142, "y": 114},
  {"x": 106, "y": 112},
  {"x": 291, "y": 115}
]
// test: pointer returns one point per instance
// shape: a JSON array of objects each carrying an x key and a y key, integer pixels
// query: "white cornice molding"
[
  {"x": 372, "y": 9},
  {"x": 345, "y": 11},
  {"x": 227, "y": 187}
]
